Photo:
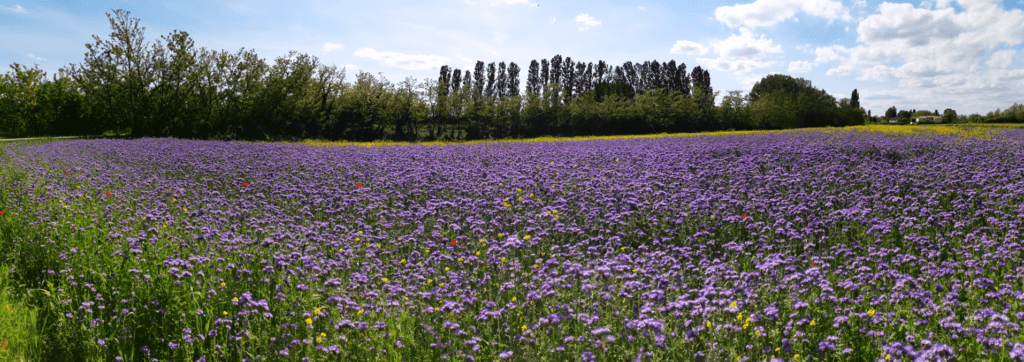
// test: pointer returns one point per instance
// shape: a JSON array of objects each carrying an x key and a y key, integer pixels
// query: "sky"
[{"x": 965, "y": 55}]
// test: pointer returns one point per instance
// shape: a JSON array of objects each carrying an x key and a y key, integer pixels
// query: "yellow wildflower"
[
  {"x": 733, "y": 304},
  {"x": 309, "y": 321},
  {"x": 385, "y": 280},
  {"x": 812, "y": 322},
  {"x": 871, "y": 312},
  {"x": 526, "y": 237},
  {"x": 223, "y": 285}
]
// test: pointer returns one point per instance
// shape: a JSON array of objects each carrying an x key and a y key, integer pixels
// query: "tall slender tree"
[
  {"x": 631, "y": 76},
  {"x": 556, "y": 69},
  {"x": 855, "y": 99},
  {"x": 683, "y": 79},
  {"x": 657, "y": 80},
  {"x": 490, "y": 82},
  {"x": 478, "y": 80},
  {"x": 513, "y": 80},
  {"x": 457, "y": 80},
  {"x": 583, "y": 82},
  {"x": 602, "y": 69},
  {"x": 502, "y": 81},
  {"x": 544, "y": 74},
  {"x": 670, "y": 75},
  {"x": 444, "y": 81},
  {"x": 533, "y": 78},
  {"x": 569, "y": 71}
]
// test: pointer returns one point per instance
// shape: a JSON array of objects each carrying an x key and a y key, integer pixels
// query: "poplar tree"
[{"x": 533, "y": 78}]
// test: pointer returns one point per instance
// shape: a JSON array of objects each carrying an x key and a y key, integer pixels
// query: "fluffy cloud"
[
  {"x": 799, "y": 67},
  {"x": 328, "y": 47},
  {"x": 587, "y": 21},
  {"x": 769, "y": 12},
  {"x": 403, "y": 61},
  {"x": 937, "y": 56},
  {"x": 742, "y": 52},
  {"x": 688, "y": 47},
  {"x": 16, "y": 8},
  {"x": 1001, "y": 59}
]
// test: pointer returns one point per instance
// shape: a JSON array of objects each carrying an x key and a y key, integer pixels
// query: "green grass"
[{"x": 20, "y": 338}]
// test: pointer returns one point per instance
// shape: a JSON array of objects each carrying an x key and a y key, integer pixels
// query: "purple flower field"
[{"x": 843, "y": 245}]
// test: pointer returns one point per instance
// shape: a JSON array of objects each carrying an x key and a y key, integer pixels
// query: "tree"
[
  {"x": 533, "y": 78},
  {"x": 891, "y": 112},
  {"x": 544, "y": 76},
  {"x": 569, "y": 78},
  {"x": 671, "y": 83},
  {"x": 456, "y": 80},
  {"x": 776, "y": 109},
  {"x": 478, "y": 80},
  {"x": 489, "y": 93},
  {"x": 602, "y": 69},
  {"x": 556, "y": 76},
  {"x": 588, "y": 78},
  {"x": 855, "y": 99},
  {"x": 949, "y": 116},
  {"x": 734, "y": 112},
  {"x": 444, "y": 80},
  {"x": 936, "y": 113},
  {"x": 683, "y": 79},
  {"x": 513, "y": 80},
  {"x": 116, "y": 75},
  {"x": 502, "y": 81}
]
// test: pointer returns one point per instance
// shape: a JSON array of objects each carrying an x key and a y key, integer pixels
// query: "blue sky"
[{"x": 965, "y": 55}]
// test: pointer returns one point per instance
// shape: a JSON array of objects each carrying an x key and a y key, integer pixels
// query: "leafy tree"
[
  {"x": 949, "y": 116},
  {"x": 776, "y": 109},
  {"x": 456, "y": 80},
  {"x": 734, "y": 112},
  {"x": 891, "y": 112},
  {"x": 855, "y": 99}
]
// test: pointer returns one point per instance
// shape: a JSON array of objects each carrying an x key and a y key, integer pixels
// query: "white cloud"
[
  {"x": 937, "y": 56},
  {"x": 552, "y": 20},
  {"x": 860, "y": 3},
  {"x": 17, "y": 8},
  {"x": 403, "y": 61},
  {"x": 1001, "y": 59},
  {"x": 641, "y": 7},
  {"x": 926, "y": 4},
  {"x": 799, "y": 67},
  {"x": 587, "y": 21},
  {"x": 847, "y": 29},
  {"x": 469, "y": 63},
  {"x": 328, "y": 47},
  {"x": 688, "y": 47},
  {"x": 742, "y": 52},
  {"x": 30, "y": 55},
  {"x": 769, "y": 12},
  {"x": 510, "y": 2}
]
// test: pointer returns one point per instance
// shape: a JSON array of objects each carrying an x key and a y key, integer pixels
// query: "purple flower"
[{"x": 505, "y": 355}]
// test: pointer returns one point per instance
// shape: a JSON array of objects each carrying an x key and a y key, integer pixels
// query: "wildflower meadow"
[{"x": 854, "y": 244}]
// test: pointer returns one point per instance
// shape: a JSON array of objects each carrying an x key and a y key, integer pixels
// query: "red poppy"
[
  {"x": 812, "y": 263},
  {"x": 455, "y": 242},
  {"x": 744, "y": 216},
  {"x": 359, "y": 184},
  {"x": 245, "y": 184},
  {"x": 108, "y": 194},
  {"x": 1, "y": 212}
]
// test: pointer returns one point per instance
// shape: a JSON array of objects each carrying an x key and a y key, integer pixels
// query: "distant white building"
[{"x": 928, "y": 119}]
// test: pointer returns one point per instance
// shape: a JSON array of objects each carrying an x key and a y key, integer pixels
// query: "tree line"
[{"x": 171, "y": 89}]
